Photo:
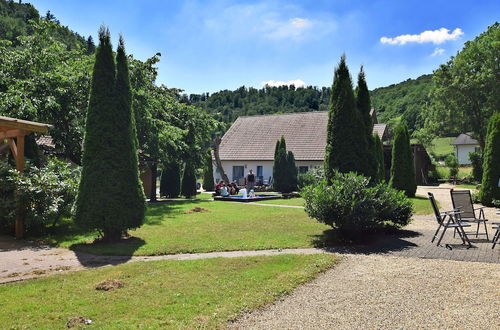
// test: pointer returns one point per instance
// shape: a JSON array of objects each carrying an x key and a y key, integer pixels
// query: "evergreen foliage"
[
  {"x": 280, "y": 166},
  {"x": 476, "y": 159},
  {"x": 363, "y": 104},
  {"x": 110, "y": 197},
  {"x": 170, "y": 183},
  {"x": 490, "y": 189},
  {"x": 403, "y": 167},
  {"x": 292, "y": 172},
  {"x": 346, "y": 142},
  {"x": 208, "y": 173},
  {"x": 379, "y": 157},
  {"x": 188, "y": 185}
]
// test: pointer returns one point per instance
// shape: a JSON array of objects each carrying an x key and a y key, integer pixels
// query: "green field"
[
  {"x": 441, "y": 146},
  {"x": 158, "y": 294}
]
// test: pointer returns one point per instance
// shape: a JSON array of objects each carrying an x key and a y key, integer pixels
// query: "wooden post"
[{"x": 20, "y": 167}]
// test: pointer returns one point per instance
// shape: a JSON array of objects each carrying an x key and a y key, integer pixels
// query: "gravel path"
[{"x": 383, "y": 292}]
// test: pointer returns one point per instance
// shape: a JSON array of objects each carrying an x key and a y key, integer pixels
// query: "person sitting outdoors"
[
  {"x": 224, "y": 191},
  {"x": 233, "y": 188},
  {"x": 218, "y": 187}
]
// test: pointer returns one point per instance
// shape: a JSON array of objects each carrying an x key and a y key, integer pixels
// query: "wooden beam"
[
  {"x": 24, "y": 124},
  {"x": 13, "y": 147},
  {"x": 12, "y": 133},
  {"x": 20, "y": 168}
]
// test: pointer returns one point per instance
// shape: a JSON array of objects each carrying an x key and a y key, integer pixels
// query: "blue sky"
[{"x": 208, "y": 46}]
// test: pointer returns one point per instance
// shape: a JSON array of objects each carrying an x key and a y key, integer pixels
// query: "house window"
[
  {"x": 477, "y": 149},
  {"x": 260, "y": 171},
  {"x": 238, "y": 172},
  {"x": 303, "y": 169}
]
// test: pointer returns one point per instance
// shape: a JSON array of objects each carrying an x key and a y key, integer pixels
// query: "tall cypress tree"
[
  {"x": 379, "y": 157},
  {"x": 188, "y": 185},
  {"x": 208, "y": 173},
  {"x": 402, "y": 167},
  {"x": 280, "y": 166},
  {"x": 363, "y": 104},
  {"x": 110, "y": 197},
  {"x": 291, "y": 172},
  {"x": 490, "y": 189},
  {"x": 346, "y": 141},
  {"x": 170, "y": 183}
]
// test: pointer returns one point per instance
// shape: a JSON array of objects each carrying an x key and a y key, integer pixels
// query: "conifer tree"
[
  {"x": 110, "y": 197},
  {"x": 170, "y": 182},
  {"x": 188, "y": 185},
  {"x": 291, "y": 172},
  {"x": 208, "y": 173},
  {"x": 379, "y": 156},
  {"x": 346, "y": 141},
  {"x": 280, "y": 165},
  {"x": 490, "y": 187},
  {"x": 402, "y": 167},
  {"x": 363, "y": 104}
]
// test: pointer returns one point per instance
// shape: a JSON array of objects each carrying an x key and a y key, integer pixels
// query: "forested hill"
[
  {"x": 14, "y": 22},
  {"x": 403, "y": 101}
]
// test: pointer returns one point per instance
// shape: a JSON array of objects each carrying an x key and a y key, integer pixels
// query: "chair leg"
[
  {"x": 486, "y": 230},
  {"x": 465, "y": 236},
  {"x": 495, "y": 238},
  {"x": 436, "y": 233},
  {"x": 442, "y": 234}
]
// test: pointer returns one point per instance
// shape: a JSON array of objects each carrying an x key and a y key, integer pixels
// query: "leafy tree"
[
  {"x": 170, "y": 184},
  {"x": 452, "y": 162},
  {"x": 466, "y": 88},
  {"x": 346, "y": 131},
  {"x": 188, "y": 185},
  {"x": 490, "y": 189},
  {"x": 402, "y": 167},
  {"x": 379, "y": 156},
  {"x": 110, "y": 197},
  {"x": 208, "y": 173},
  {"x": 476, "y": 159},
  {"x": 363, "y": 104}
]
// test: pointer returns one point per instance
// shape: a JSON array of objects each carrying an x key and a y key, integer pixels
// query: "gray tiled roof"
[
  {"x": 464, "y": 139},
  {"x": 254, "y": 137}
]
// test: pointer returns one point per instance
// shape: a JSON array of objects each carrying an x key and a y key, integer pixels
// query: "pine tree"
[
  {"x": 490, "y": 189},
  {"x": 110, "y": 197},
  {"x": 208, "y": 173},
  {"x": 379, "y": 157},
  {"x": 363, "y": 104},
  {"x": 90, "y": 46},
  {"x": 170, "y": 182},
  {"x": 188, "y": 185},
  {"x": 346, "y": 141},
  {"x": 291, "y": 172},
  {"x": 402, "y": 167}
]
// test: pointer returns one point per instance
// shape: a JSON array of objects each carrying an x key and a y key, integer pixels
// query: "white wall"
[
  {"x": 267, "y": 167},
  {"x": 462, "y": 153}
]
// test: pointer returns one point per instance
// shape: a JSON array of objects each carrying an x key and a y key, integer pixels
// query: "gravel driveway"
[{"x": 384, "y": 292}]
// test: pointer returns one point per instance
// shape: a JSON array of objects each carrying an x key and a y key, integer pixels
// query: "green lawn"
[
  {"x": 463, "y": 171},
  {"x": 173, "y": 294},
  {"x": 422, "y": 206},
  {"x": 290, "y": 201},
  {"x": 441, "y": 146},
  {"x": 225, "y": 226},
  {"x": 467, "y": 186}
]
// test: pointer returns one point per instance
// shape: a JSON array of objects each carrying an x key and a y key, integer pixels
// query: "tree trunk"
[
  {"x": 218, "y": 163},
  {"x": 154, "y": 173}
]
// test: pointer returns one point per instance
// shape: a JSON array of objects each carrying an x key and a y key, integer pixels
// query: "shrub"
[
  {"x": 48, "y": 193},
  {"x": 170, "y": 183},
  {"x": 352, "y": 207},
  {"x": 312, "y": 177},
  {"x": 476, "y": 160},
  {"x": 452, "y": 162},
  {"x": 188, "y": 183}
]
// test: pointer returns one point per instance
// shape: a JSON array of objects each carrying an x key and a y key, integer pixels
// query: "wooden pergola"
[{"x": 14, "y": 130}]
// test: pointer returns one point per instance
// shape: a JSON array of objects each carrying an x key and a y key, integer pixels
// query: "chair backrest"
[
  {"x": 462, "y": 200},
  {"x": 435, "y": 208}
]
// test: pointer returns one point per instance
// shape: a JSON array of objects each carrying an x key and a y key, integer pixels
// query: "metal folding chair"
[
  {"x": 452, "y": 222},
  {"x": 462, "y": 200},
  {"x": 496, "y": 227}
]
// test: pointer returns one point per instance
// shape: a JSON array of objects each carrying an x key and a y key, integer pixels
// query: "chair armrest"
[
  {"x": 480, "y": 208},
  {"x": 453, "y": 212}
]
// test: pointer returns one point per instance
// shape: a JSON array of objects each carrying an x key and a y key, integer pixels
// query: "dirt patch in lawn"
[
  {"x": 110, "y": 285},
  {"x": 77, "y": 321},
  {"x": 197, "y": 210}
]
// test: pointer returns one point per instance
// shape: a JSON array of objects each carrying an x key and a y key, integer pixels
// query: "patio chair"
[
  {"x": 497, "y": 234},
  {"x": 452, "y": 222},
  {"x": 462, "y": 200}
]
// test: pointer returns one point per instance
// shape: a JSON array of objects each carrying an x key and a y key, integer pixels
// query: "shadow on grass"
[
  {"x": 383, "y": 240},
  {"x": 160, "y": 211},
  {"x": 98, "y": 254}
]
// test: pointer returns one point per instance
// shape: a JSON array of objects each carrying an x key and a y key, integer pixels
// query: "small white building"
[
  {"x": 465, "y": 144},
  {"x": 250, "y": 142}
]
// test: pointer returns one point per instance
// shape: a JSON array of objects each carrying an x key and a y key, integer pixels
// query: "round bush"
[{"x": 352, "y": 206}]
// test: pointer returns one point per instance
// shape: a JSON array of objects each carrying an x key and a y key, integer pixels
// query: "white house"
[
  {"x": 250, "y": 142},
  {"x": 465, "y": 144}
]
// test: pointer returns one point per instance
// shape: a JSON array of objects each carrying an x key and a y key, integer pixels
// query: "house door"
[{"x": 238, "y": 172}]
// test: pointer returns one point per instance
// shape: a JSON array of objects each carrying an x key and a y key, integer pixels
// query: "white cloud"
[
  {"x": 438, "y": 51},
  {"x": 276, "y": 83},
  {"x": 436, "y": 37},
  {"x": 293, "y": 28}
]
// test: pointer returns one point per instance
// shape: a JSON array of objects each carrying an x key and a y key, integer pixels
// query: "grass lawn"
[
  {"x": 175, "y": 294},
  {"x": 299, "y": 201},
  {"x": 463, "y": 171},
  {"x": 224, "y": 226},
  {"x": 441, "y": 146},
  {"x": 422, "y": 206},
  {"x": 467, "y": 186}
]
